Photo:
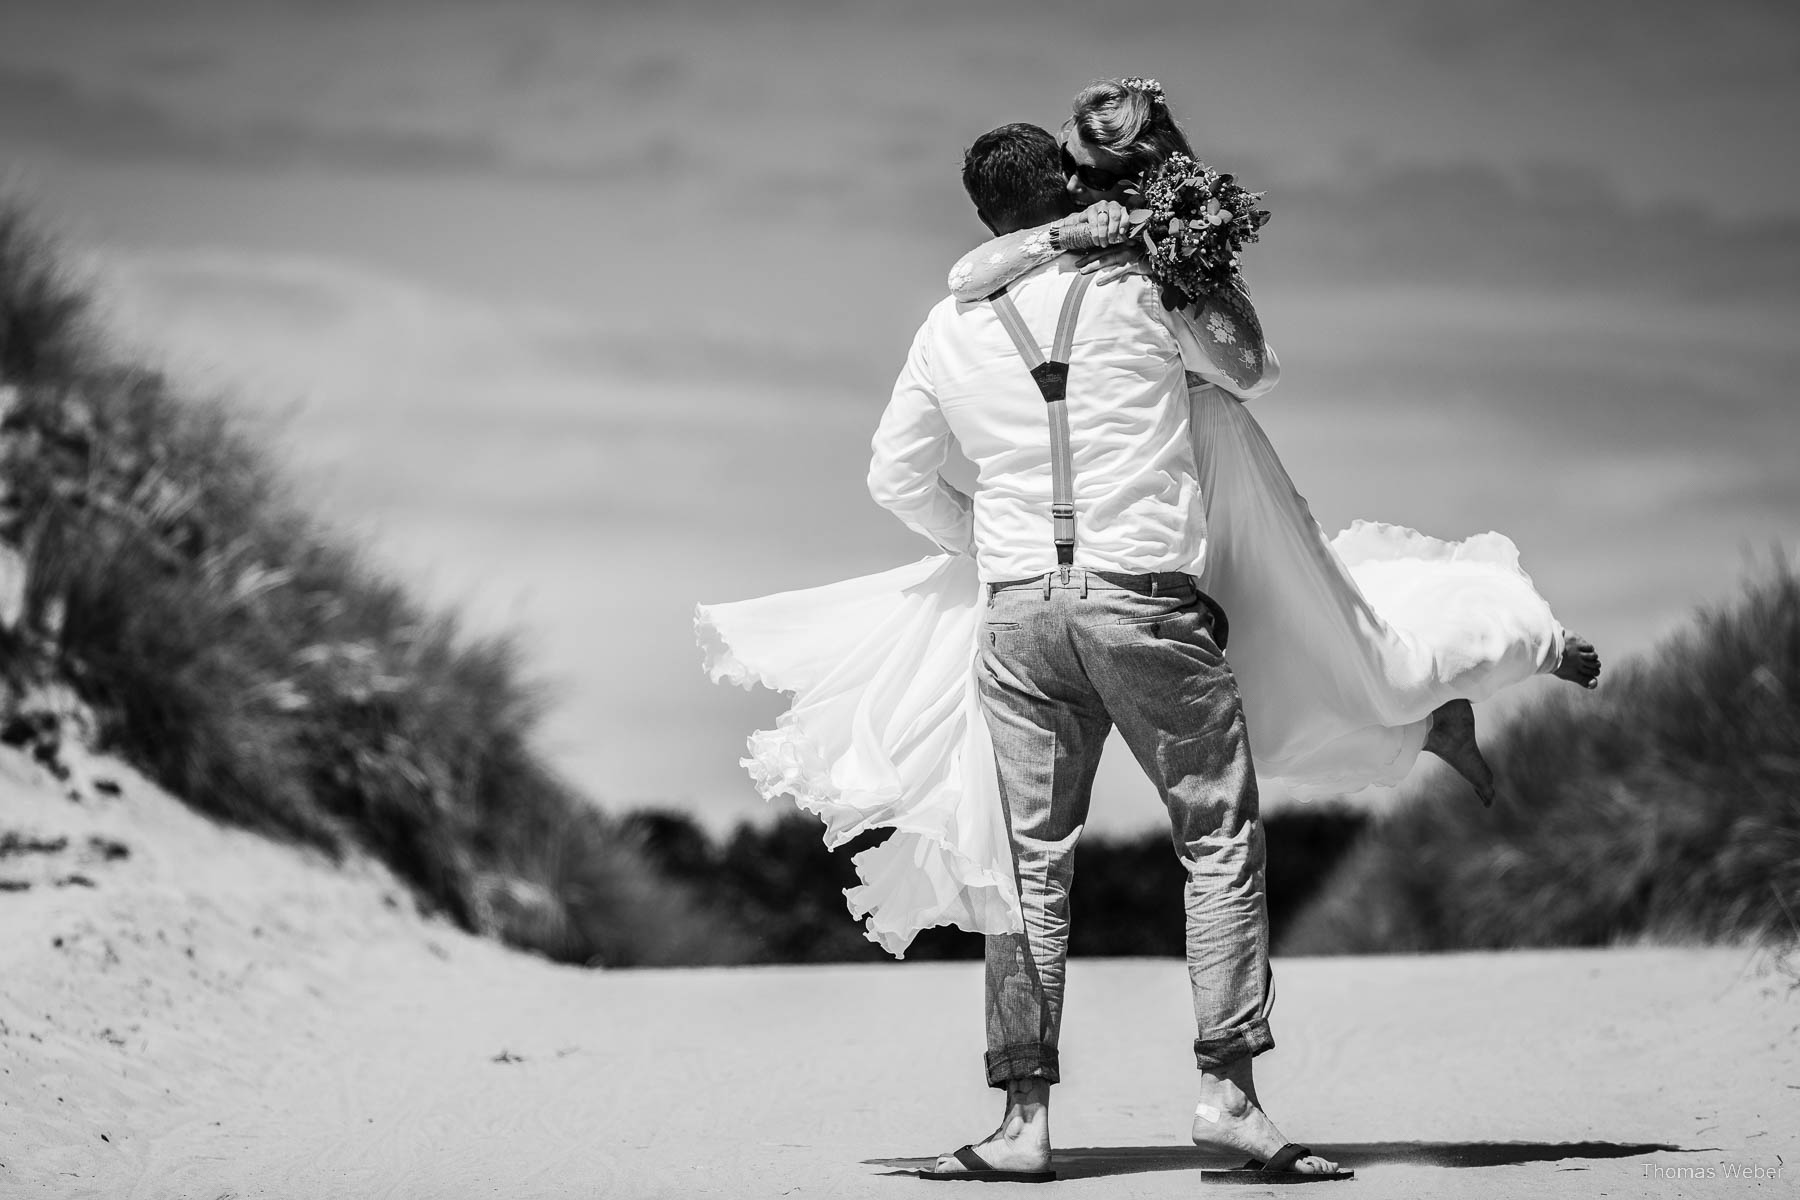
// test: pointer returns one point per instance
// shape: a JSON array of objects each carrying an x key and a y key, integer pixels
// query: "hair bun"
[{"x": 1150, "y": 87}]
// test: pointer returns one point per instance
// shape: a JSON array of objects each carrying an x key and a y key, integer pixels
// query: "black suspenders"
[{"x": 1052, "y": 376}]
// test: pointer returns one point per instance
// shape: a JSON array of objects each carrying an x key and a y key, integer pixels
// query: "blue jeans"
[{"x": 1064, "y": 659}]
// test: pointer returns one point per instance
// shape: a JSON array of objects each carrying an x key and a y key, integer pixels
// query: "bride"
[{"x": 1352, "y": 654}]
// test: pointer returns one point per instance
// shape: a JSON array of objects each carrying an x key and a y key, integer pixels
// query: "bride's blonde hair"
[{"x": 1130, "y": 119}]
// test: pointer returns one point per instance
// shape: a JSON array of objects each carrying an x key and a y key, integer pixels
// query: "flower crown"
[{"x": 1150, "y": 87}]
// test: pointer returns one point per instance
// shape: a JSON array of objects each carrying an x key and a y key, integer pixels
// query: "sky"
[{"x": 581, "y": 314}]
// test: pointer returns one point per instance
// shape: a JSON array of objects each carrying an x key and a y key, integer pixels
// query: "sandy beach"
[{"x": 187, "y": 1010}]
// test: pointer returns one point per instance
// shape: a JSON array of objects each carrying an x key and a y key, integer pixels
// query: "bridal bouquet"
[{"x": 1195, "y": 225}]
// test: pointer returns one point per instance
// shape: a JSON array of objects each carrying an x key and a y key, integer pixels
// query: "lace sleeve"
[
  {"x": 997, "y": 262},
  {"x": 1222, "y": 342}
]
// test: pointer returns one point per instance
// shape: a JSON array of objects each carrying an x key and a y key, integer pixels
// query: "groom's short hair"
[{"x": 1014, "y": 176}]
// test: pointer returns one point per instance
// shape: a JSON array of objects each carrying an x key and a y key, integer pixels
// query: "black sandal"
[
  {"x": 1279, "y": 1169},
  {"x": 976, "y": 1167}
]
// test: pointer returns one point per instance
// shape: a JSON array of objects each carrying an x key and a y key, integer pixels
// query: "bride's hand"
[
  {"x": 1110, "y": 266},
  {"x": 1103, "y": 223},
  {"x": 1107, "y": 221}
]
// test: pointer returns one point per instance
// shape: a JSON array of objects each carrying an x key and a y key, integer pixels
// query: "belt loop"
[
  {"x": 1047, "y": 577},
  {"x": 1153, "y": 585},
  {"x": 1084, "y": 583}
]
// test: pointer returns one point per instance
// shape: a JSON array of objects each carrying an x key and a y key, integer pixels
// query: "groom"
[{"x": 1086, "y": 530}]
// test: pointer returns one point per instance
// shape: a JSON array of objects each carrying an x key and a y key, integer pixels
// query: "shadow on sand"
[{"x": 1088, "y": 1162}]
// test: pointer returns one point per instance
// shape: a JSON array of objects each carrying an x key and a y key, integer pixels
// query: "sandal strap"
[
  {"x": 973, "y": 1161},
  {"x": 1285, "y": 1158}
]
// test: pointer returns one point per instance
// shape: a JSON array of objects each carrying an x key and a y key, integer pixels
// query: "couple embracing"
[{"x": 1126, "y": 521}]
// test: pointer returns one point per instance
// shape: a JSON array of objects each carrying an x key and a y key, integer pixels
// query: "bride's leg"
[
  {"x": 1580, "y": 662},
  {"x": 1452, "y": 738}
]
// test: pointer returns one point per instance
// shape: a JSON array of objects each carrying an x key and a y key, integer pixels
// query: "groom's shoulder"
[
  {"x": 1132, "y": 292},
  {"x": 940, "y": 315}
]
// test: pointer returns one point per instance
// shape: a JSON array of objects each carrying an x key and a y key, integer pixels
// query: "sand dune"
[{"x": 212, "y": 1015}]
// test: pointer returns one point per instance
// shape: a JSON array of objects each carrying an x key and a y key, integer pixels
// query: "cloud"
[
  {"x": 794, "y": 111},
  {"x": 1547, "y": 227},
  {"x": 1534, "y": 224},
  {"x": 727, "y": 356},
  {"x": 159, "y": 65},
  {"x": 55, "y": 112},
  {"x": 1647, "y": 43},
  {"x": 421, "y": 402}
]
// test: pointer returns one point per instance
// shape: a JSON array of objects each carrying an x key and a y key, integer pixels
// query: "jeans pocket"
[{"x": 1183, "y": 606}]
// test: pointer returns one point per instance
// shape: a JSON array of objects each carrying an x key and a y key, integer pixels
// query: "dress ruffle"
[
  {"x": 885, "y": 732},
  {"x": 1344, "y": 646},
  {"x": 1341, "y": 648}
]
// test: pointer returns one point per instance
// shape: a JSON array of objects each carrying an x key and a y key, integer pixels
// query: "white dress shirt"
[{"x": 1137, "y": 507}]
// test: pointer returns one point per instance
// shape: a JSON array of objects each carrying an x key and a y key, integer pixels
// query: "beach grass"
[
  {"x": 251, "y": 661},
  {"x": 1665, "y": 807}
]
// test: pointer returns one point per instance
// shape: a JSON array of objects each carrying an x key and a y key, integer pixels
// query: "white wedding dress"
[{"x": 1341, "y": 647}]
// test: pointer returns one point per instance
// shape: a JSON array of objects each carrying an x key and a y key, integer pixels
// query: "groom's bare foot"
[
  {"x": 1229, "y": 1120},
  {"x": 1022, "y": 1143},
  {"x": 1452, "y": 738},
  {"x": 1580, "y": 662}
]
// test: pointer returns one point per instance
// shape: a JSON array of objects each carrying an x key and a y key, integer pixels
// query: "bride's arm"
[
  {"x": 1221, "y": 338},
  {"x": 1222, "y": 342},
  {"x": 998, "y": 261}
]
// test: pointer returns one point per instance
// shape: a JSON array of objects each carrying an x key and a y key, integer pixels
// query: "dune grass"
[
  {"x": 784, "y": 889},
  {"x": 1665, "y": 807},
  {"x": 260, "y": 668}
]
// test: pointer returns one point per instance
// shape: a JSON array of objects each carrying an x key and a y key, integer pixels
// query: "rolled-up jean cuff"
[
  {"x": 1246, "y": 1041},
  {"x": 1027, "y": 1060}
]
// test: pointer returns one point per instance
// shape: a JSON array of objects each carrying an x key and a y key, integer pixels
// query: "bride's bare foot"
[
  {"x": 1022, "y": 1143},
  {"x": 1229, "y": 1120},
  {"x": 1452, "y": 738},
  {"x": 1580, "y": 662}
]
